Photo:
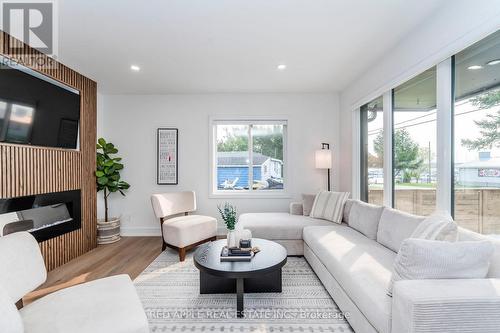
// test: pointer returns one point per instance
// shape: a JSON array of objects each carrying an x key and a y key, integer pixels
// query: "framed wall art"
[{"x": 167, "y": 154}]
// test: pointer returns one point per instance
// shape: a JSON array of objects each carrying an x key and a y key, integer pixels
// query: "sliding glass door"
[
  {"x": 476, "y": 120},
  {"x": 414, "y": 144},
  {"x": 458, "y": 171}
]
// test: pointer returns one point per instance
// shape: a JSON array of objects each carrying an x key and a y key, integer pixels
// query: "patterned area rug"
[{"x": 169, "y": 291}]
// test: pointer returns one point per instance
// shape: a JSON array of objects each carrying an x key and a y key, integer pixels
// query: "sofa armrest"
[
  {"x": 296, "y": 208},
  {"x": 459, "y": 305}
]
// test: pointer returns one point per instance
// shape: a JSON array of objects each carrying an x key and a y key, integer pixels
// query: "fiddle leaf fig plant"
[{"x": 108, "y": 172}]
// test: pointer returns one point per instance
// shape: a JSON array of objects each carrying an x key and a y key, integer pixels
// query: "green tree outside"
[
  {"x": 489, "y": 126},
  {"x": 407, "y": 154},
  {"x": 269, "y": 144},
  {"x": 233, "y": 143}
]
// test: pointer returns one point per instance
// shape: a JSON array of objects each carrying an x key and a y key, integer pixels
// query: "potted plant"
[
  {"x": 108, "y": 180},
  {"x": 228, "y": 214}
]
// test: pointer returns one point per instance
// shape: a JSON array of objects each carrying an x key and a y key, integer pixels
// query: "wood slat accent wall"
[{"x": 26, "y": 170}]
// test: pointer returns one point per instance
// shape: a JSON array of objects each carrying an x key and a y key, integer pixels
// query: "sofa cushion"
[
  {"x": 467, "y": 235},
  {"x": 361, "y": 266},
  {"x": 329, "y": 206},
  {"x": 277, "y": 225},
  {"x": 364, "y": 217},
  {"x": 422, "y": 259},
  {"x": 439, "y": 226},
  {"x": 307, "y": 203},
  {"x": 105, "y": 305},
  {"x": 185, "y": 230},
  {"x": 10, "y": 320},
  {"x": 296, "y": 208},
  {"x": 395, "y": 226},
  {"x": 347, "y": 210}
]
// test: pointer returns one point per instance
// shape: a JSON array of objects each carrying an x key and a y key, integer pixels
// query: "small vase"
[{"x": 231, "y": 239}]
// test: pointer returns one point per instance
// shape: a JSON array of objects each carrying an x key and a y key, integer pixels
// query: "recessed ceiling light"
[
  {"x": 493, "y": 62},
  {"x": 135, "y": 68},
  {"x": 281, "y": 67},
  {"x": 475, "y": 67}
]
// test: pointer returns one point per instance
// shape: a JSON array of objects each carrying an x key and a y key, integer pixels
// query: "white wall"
[
  {"x": 130, "y": 122},
  {"x": 448, "y": 31}
]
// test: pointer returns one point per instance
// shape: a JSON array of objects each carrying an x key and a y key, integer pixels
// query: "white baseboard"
[
  {"x": 144, "y": 231},
  {"x": 151, "y": 231}
]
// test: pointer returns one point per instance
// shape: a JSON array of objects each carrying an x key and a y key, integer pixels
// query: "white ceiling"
[{"x": 215, "y": 46}]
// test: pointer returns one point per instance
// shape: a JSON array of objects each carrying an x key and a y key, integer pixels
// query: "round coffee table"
[{"x": 261, "y": 274}]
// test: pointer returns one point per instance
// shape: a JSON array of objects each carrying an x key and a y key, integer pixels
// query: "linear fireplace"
[{"x": 44, "y": 215}]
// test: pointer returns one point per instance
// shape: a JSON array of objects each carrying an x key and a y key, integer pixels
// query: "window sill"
[{"x": 249, "y": 195}]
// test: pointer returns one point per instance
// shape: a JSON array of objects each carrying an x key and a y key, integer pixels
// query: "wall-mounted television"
[{"x": 37, "y": 110}]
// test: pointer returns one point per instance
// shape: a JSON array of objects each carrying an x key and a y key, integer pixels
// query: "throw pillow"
[
  {"x": 468, "y": 235},
  {"x": 347, "y": 210},
  {"x": 307, "y": 203},
  {"x": 329, "y": 206},
  {"x": 395, "y": 226},
  {"x": 439, "y": 226},
  {"x": 420, "y": 259},
  {"x": 364, "y": 217}
]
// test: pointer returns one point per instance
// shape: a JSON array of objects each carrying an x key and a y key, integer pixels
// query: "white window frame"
[
  {"x": 444, "y": 108},
  {"x": 388, "y": 129},
  {"x": 356, "y": 153},
  {"x": 444, "y": 154},
  {"x": 442, "y": 59},
  {"x": 214, "y": 192}
]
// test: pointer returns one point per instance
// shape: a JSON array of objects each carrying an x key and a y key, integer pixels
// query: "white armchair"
[
  {"x": 182, "y": 233},
  {"x": 101, "y": 306}
]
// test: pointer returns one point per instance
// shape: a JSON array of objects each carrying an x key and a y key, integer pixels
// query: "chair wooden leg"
[
  {"x": 164, "y": 245},
  {"x": 182, "y": 254}
]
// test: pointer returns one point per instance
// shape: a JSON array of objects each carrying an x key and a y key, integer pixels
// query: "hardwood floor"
[{"x": 130, "y": 255}]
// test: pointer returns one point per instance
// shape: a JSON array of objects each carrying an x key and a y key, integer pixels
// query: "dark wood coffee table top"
[{"x": 272, "y": 256}]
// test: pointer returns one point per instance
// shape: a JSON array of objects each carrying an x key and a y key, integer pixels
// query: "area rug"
[{"x": 169, "y": 291}]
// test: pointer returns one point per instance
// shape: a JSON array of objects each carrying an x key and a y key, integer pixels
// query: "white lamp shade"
[{"x": 323, "y": 159}]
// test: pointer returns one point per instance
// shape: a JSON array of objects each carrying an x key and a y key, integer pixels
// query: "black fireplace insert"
[{"x": 44, "y": 215}]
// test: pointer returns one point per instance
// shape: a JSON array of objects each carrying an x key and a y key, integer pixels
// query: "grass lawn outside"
[
  {"x": 430, "y": 186},
  {"x": 405, "y": 186}
]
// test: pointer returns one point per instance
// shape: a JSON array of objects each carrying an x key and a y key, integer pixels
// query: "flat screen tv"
[{"x": 36, "y": 110}]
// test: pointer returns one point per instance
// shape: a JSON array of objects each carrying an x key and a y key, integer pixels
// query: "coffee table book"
[{"x": 225, "y": 256}]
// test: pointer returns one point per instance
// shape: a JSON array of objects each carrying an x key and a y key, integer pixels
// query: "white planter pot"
[
  {"x": 108, "y": 231},
  {"x": 232, "y": 239}
]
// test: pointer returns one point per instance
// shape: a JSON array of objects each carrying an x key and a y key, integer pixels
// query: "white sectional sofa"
[
  {"x": 357, "y": 270},
  {"x": 283, "y": 228}
]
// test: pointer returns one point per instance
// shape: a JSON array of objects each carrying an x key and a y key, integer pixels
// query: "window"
[
  {"x": 476, "y": 122},
  {"x": 372, "y": 154},
  {"x": 459, "y": 171},
  {"x": 249, "y": 156},
  {"x": 414, "y": 144}
]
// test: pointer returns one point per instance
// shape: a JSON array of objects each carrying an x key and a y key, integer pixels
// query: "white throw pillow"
[
  {"x": 420, "y": 259},
  {"x": 395, "y": 226},
  {"x": 329, "y": 206},
  {"x": 10, "y": 319},
  {"x": 347, "y": 210},
  {"x": 439, "y": 226},
  {"x": 364, "y": 217},
  {"x": 307, "y": 203},
  {"x": 468, "y": 235}
]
